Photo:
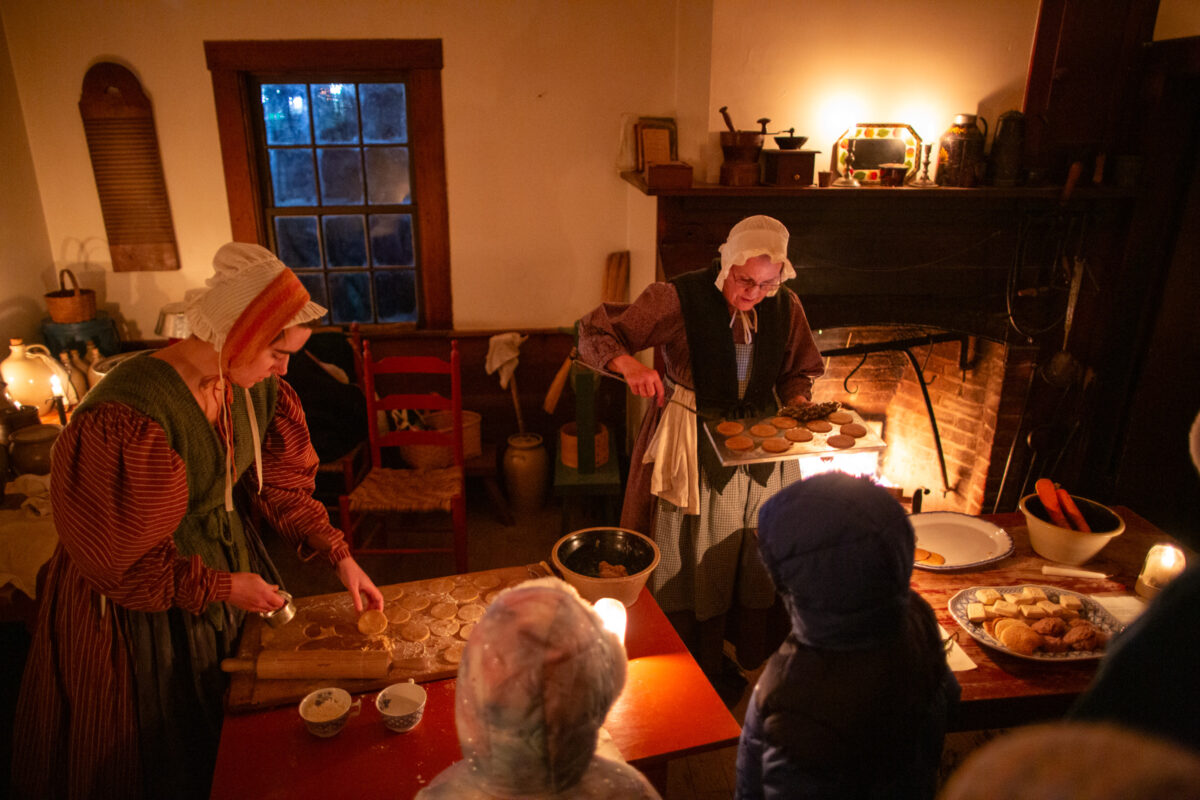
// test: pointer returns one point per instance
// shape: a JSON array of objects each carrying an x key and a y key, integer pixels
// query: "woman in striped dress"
[
  {"x": 734, "y": 343},
  {"x": 155, "y": 568}
]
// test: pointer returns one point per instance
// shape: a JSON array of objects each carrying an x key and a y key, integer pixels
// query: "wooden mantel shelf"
[{"x": 983, "y": 193}]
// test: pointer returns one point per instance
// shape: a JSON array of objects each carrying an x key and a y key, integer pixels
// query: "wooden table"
[
  {"x": 667, "y": 710},
  {"x": 1005, "y": 690}
]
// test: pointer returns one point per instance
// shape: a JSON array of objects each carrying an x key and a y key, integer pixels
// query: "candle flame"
[
  {"x": 56, "y": 386},
  {"x": 1168, "y": 556},
  {"x": 613, "y": 615}
]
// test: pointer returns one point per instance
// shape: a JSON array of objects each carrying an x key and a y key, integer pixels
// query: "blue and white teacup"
[
  {"x": 401, "y": 706},
  {"x": 326, "y": 711}
]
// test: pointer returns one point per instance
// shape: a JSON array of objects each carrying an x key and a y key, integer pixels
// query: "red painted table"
[{"x": 667, "y": 710}]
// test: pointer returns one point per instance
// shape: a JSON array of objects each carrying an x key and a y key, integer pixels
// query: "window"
[{"x": 334, "y": 158}]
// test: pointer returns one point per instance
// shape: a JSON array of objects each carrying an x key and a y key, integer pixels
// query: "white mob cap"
[{"x": 759, "y": 235}]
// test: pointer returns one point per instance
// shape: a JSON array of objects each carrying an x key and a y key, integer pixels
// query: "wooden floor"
[{"x": 709, "y": 776}]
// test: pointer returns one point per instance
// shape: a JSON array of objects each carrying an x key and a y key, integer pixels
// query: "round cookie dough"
[
  {"x": 728, "y": 428},
  {"x": 443, "y": 610},
  {"x": 920, "y": 554},
  {"x": 776, "y": 444},
  {"x": 854, "y": 429},
  {"x": 470, "y": 612},
  {"x": 372, "y": 622},
  {"x": 485, "y": 580},
  {"x": 762, "y": 429},
  {"x": 464, "y": 593},
  {"x": 414, "y": 631},
  {"x": 453, "y": 653},
  {"x": 934, "y": 559},
  {"x": 464, "y": 632},
  {"x": 739, "y": 443},
  {"x": 443, "y": 627},
  {"x": 818, "y": 425},
  {"x": 441, "y": 585},
  {"x": 840, "y": 417},
  {"x": 798, "y": 435},
  {"x": 414, "y": 602},
  {"x": 398, "y": 615},
  {"x": 840, "y": 441},
  {"x": 784, "y": 423}
]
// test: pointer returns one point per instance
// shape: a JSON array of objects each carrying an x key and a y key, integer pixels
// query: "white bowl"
[
  {"x": 401, "y": 706},
  {"x": 1064, "y": 545},
  {"x": 577, "y": 556}
]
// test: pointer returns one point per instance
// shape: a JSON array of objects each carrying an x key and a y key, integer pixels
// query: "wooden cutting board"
[{"x": 428, "y": 624}]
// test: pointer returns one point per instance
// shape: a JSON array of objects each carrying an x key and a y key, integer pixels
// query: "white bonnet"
[
  {"x": 241, "y": 273},
  {"x": 759, "y": 235}
]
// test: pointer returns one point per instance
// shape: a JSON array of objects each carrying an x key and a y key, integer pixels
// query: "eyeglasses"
[{"x": 769, "y": 288}]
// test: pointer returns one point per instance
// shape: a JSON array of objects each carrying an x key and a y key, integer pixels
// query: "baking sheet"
[{"x": 814, "y": 447}]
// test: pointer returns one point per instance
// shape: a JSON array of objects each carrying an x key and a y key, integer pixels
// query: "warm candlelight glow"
[
  {"x": 613, "y": 615},
  {"x": 1163, "y": 564},
  {"x": 56, "y": 386}
]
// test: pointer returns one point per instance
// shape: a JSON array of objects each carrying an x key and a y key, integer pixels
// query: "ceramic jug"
[
  {"x": 1006, "y": 149},
  {"x": 526, "y": 471},
  {"x": 960, "y": 153},
  {"x": 28, "y": 370},
  {"x": 77, "y": 385}
]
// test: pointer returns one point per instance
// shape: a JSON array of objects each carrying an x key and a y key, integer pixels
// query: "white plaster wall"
[{"x": 535, "y": 92}]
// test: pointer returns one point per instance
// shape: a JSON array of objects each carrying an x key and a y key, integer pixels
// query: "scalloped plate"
[
  {"x": 964, "y": 541},
  {"x": 1092, "y": 611}
]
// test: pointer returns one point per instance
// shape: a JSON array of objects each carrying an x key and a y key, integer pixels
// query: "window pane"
[
  {"x": 285, "y": 113},
  {"x": 396, "y": 295},
  {"x": 391, "y": 240},
  {"x": 341, "y": 176},
  {"x": 297, "y": 243},
  {"x": 387, "y": 175},
  {"x": 293, "y": 178},
  {"x": 351, "y": 296},
  {"x": 335, "y": 113},
  {"x": 314, "y": 282},
  {"x": 345, "y": 241},
  {"x": 385, "y": 116}
]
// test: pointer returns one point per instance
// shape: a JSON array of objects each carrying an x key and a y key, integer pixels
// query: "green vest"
[{"x": 153, "y": 388}]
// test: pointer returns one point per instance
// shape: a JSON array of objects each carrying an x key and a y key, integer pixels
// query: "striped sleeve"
[
  {"x": 289, "y": 474},
  {"x": 118, "y": 492}
]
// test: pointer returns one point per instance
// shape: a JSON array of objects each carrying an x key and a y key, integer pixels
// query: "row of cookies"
[
  {"x": 1030, "y": 603},
  {"x": 1049, "y": 635},
  {"x": 792, "y": 431}
]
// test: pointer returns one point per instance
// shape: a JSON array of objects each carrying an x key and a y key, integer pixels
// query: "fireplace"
[{"x": 948, "y": 443}]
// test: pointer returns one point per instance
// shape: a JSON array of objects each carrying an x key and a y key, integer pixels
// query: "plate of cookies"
[
  {"x": 949, "y": 540},
  {"x": 1041, "y": 623}
]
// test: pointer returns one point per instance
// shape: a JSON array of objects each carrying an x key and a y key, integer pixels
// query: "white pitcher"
[{"x": 28, "y": 370}]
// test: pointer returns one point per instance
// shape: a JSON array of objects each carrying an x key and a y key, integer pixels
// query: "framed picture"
[
  {"x": 656, "y": 141},
  {"x": 876, "y": 143}
]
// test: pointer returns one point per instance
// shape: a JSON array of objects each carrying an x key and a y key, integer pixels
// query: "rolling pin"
[{"x": 313, "y": 664}]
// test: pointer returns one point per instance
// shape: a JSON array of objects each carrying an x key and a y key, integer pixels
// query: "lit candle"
[
  {"x": 57, "y": 389},
  {"x": 1163, "y": 564},
  {"x": 613, "y": 615}
]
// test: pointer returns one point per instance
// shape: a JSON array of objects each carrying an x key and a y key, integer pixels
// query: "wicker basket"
[
  {"x": 432, "y": 456},
  {"x": 71, "y": 305}
]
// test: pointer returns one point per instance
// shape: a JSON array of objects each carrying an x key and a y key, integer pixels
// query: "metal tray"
[{"x": 815, "y": 447}]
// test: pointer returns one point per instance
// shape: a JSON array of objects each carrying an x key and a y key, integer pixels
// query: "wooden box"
[
  {"x": 788, "y": 167},
  {"x": 669, "y": 175}
]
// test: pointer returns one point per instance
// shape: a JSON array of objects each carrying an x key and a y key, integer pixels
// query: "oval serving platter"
[
  {"x": 1092, "y": 611},
  {"x": 964, "y": 541}
]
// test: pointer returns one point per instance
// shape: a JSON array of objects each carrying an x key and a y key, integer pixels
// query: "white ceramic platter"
[
  {"x": 1092, "y": 611},
  {"x": 964, "y": 541}
]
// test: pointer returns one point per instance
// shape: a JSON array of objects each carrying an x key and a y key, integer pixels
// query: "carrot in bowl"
[
  {"x": 1048, "y": 494},
  {"x": 1072, "y": 511}
]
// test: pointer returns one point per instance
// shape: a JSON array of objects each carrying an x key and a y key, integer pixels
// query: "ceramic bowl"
[
  {"x": 577, "y": 558},
  {"x": 326, "y": 711},
  {"x": 1064, "y": 545},
  {"x": 401, "y": 706}
]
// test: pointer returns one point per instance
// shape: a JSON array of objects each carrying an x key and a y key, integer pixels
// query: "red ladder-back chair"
[{"x": 390, "y": 490}]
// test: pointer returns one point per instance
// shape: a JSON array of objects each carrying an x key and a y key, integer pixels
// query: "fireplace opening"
[{"x": 948, "y": 405}]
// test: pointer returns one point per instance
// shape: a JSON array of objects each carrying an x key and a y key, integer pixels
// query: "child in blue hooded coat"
[{"x": 854, "y": 703}]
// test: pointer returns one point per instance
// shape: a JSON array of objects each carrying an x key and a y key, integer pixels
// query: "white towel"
[
  {"x": 503, "y": 349},
  {"x": 672, "y": 449}
]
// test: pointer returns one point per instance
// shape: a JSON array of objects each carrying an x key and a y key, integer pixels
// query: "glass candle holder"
[{"x": 1163, "y": 564}]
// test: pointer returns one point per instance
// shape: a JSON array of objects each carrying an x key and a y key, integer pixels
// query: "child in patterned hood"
[
  {"x": 854, "y": 702},
  {"x": 537, "y": 678}
]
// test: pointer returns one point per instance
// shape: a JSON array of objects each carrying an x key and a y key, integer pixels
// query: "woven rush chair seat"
[{"x": 399, "y": 490}]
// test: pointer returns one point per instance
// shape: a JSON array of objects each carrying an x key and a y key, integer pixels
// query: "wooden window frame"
[{"x": 232, "y": 63}]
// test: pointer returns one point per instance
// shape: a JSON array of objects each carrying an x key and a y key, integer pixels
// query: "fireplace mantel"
[{"x": 955, "y": 259}]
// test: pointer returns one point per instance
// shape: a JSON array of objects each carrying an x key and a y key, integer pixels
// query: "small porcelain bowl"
[
  {"x": 326, "y": 711},
  {"x": 401, "y": 706}
]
